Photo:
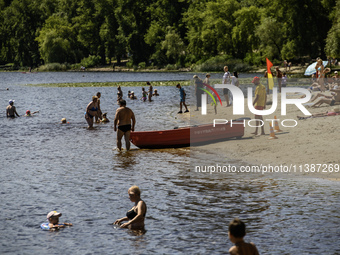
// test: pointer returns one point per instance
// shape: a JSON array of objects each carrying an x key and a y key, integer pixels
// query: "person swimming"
[{"x": 53, "y": 222}]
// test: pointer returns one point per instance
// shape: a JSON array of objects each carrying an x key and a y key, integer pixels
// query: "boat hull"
[{"x": 187, "y": 136}]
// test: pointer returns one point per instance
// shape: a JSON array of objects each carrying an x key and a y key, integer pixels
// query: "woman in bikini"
[
  {"x": 136, "y": 215},
  {"x": 91, "y": 111}
]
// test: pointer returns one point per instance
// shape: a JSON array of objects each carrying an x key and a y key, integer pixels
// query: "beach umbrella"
[{"x": 311, "y": 68}]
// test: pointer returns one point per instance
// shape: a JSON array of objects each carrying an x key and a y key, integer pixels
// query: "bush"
[
  {"x": 171, "y": 67},
  {"x": 50, "y": 67},
  {"x": 216, "y": 64},
  {"x": 142, "y": 65},
  {"x": 129, "y": 64},
  {"x": 91, "y": 61},
  {"x": 253, "y": 58}
]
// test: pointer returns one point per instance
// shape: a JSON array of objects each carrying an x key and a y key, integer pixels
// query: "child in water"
[
  {"x": 144, "y": 95},
  {"x": 105, "y": 119},
  {"x": 29, "y": 114},
  {"x": 133, "y": 95},
  {"x": 155, "y": 93},
  {"x": 53, "y": 222},
  {"x": 237, "y": 230}
]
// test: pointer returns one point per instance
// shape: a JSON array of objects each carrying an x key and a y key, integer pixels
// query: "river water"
[{"x": 48, "y": 166}]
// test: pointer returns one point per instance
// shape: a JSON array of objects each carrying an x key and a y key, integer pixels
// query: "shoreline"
[
  {"x": 262, "y": 69},
  {"x": 308, "y": 146}
]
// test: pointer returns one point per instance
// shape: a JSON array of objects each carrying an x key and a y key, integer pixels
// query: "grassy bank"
[{"x": 111, "y": 84}]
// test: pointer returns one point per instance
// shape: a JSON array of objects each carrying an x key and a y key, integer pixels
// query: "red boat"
[{"x": 186, "y": 136}]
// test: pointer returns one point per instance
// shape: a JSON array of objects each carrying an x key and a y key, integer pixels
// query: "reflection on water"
[{"x": 47, "y": 166}]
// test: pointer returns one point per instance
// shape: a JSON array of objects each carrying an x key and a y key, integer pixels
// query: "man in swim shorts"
[{"x": 123, "y": 118}]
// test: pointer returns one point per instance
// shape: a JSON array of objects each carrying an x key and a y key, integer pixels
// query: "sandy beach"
[{"x": 312, "y": 141}]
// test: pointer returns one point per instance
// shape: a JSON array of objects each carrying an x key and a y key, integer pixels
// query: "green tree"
[
  {"x": 55, "y": 40},
  {"x": 333, "y": 36},
  {"x": 271, "y": 37},
  {"x": 134, "y": 22},
  {"x": 20, "y": 21},
  {"x": 173, "y": 45},
  {"x": 243, "y": 33},
  {"x": 210, "y": 27}
]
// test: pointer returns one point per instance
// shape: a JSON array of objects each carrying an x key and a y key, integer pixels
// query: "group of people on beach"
[{"x": 321, "y": 84}]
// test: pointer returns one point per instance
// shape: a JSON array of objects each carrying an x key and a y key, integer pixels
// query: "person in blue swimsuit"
[
  {"x": 92, "y": 110},
  {"x": 136, "y": 215},
  {"x": 53, "y": 222}
]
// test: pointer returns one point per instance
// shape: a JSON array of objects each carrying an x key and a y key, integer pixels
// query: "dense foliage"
[{"x": 167, "y": 32}]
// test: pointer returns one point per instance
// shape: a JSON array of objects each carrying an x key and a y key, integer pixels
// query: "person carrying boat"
[
  {"x": 136, "y": 215},
  {"x": 123, "y": 118}
]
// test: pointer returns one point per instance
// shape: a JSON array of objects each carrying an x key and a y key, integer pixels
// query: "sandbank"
[{"x": 312, "y": 141}]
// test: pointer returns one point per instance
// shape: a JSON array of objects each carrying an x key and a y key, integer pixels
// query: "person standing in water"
[
  {"x": 136, "y": 215},
  {"x": 99, "y": 116},
  {"x": 10, "y": 110},
  {"x": 91, "y": 111},
  {"x": 123, "y": 118},
  {"x": 150, "y": 91}
]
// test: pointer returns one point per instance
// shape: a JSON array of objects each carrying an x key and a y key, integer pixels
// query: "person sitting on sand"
[
  {"x": 133, "y": 97},
  {"x": 105, "y": 119},
  {"x": 236, "y": 233},
  {"x": 318, "y": 95},
  {"x": 314, "y": 87},
  {"x": 136, "y": 215},
  {"x": 10, "y": 110},
  {"x": 155, "y": 93},
  {"x": 335, "y": 111},
  {"x": 330, "y": 101},
  {"x": 30, "y": 114},
  {"x": 53, "y": 224}
]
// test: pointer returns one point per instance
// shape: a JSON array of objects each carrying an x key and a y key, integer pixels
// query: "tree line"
[{"x": 161, "y": 32}]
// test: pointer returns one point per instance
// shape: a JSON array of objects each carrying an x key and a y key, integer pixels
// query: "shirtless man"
[
  {"x": 10, "y": 110},
  {"x": 331, "y": 101},
  {"x": 123, "y": 118}
]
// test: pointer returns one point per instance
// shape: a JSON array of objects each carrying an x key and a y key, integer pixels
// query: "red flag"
[{"x": 269, "y": 65}]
